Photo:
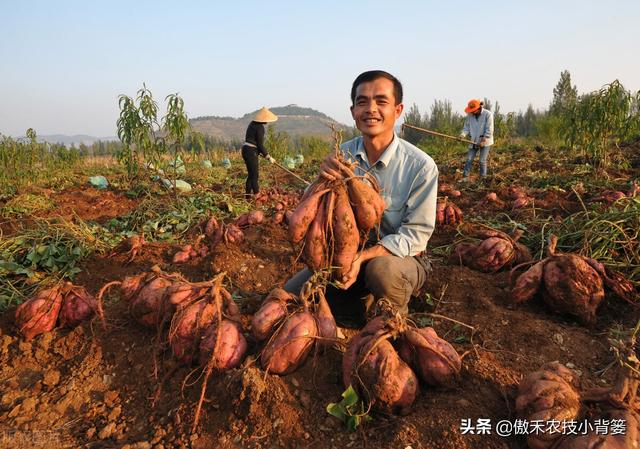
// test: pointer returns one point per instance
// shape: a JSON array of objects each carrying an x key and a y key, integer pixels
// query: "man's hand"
[
  {"x": 332, "y": 169},
  {"x": 270, "y": 158},
  {"x": 483, "y": 142},
  {"x": 462, "y": 135},
  {"x": 349, "y": 278}
]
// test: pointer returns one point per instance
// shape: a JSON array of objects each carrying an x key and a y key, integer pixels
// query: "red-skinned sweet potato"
[
  {"x": 315, "y": 242},
  {"x": 301, "y": 218},
  {"x": 383, "y": 378},
  {"x": 367, "y": 204},
  {"x": 271, "y": 313},
  {"x": 39, "y": 313},
  {"x": 231, "y": 348},
  {"x": 327, "y": 328},
  {"x": 289, "y": 346},
  {"x": 345, "y": 233},
  {"x": 78, "y": 305},
  {"x": 187, "y": 327},
  {"x": 434, "y": 360},
  {"x": 548, "y": 394}
]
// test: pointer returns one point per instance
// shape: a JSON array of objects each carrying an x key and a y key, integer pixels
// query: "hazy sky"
[{"x": 64, "y": 63}]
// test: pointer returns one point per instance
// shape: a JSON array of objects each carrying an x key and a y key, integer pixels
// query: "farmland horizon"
[{"x": 69, "y": 62}]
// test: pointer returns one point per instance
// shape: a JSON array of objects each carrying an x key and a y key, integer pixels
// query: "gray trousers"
[{"x": 391, "y": 277}]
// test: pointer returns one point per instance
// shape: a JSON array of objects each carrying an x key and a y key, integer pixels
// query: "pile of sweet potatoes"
[
  {"x": 333, "y": 217},
  {"x": 292, "y": 327},
  {"x": 202, "y": 319},
  {"x": 64, "y": 304},
  {"x": 447, "y": 213},
  {"x": 496, "y": 250},
  {"x": 570, "y": 283},
  {"x": 214, "y": 232},
  {"x": 386, "y": 360},
  {"x": 552, "y": 395}
]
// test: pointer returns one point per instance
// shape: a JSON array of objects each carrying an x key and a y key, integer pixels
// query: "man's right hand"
[{"x": 332, "y": 169}]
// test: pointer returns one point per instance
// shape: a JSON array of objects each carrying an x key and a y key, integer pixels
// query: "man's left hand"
[
  {"x": 349, "y": 278},
  {"x": 483, "y": 142}
]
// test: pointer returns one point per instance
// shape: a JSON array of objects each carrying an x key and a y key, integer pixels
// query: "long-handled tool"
[
  {"x": 291, "y": 173},
  {"x": 433, "y": 133}
]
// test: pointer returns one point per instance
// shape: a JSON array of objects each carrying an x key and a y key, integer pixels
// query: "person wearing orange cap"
[
  {"x": 254, "y": 146},
  {"x": 479, "y": 126}
]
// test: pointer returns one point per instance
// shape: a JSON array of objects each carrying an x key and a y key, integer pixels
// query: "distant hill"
[
  {"x": 74, "y": 140},
  {"x": 293, "y": 119}
]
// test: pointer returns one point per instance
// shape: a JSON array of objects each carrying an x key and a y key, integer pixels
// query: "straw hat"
[
  {"x": 472, "y": 106},
  {"x": 265, "y": 115}
]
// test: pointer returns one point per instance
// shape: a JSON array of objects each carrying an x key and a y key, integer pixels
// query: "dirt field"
[{"x": 95, "y": 388}]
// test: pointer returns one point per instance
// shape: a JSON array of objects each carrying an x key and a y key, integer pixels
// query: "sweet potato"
[
  {"x": 278, "y": 217},
  {"x": 315, "y": 242},
  {"x": 187, "y": 327},
  {"x": 288, "y": 348},
  {"x": 521, "y": 202},
  {"x": 492, "y": 254},
  {"x": 271, "y": 312},
  {"x": 233, "y": 234},
  {"x": 231, "y": 348},
  {"x": 250, "y": 218},
  {"x": 301, "y": 218},
  {"x": 353, "y": 348},
  {"x": 527, "y": 284},
  {"x": 383, "y": 378},
  {"x": 39, "y": 313},
  {"x": 147, "y": 304},
  {"x": 327, "y": 328},
  {"x": 627, "y": 440},
  {"x": 434, "y": 360},
  {"x": 345, "y": 233},
  {"x": 210, "y": 227},
  {"x": 572, "y": 286},
  {"x": 183, "y": 255},
  {"x": 367, "y": 204},
  {"x": 78, "y": 305},
  {"x": 548, "y": 394}
]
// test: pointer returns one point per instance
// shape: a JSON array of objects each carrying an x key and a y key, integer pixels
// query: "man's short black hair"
[{"x": 373, "y": 75}]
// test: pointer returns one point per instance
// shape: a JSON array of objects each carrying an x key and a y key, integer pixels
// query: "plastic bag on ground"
[{"x": 99, "y": 182}]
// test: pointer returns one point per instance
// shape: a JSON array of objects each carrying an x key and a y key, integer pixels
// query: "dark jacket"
[{"x": 255, "y": 137}]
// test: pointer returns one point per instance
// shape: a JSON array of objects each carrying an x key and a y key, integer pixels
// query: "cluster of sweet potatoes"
[
  {"x": 611, "y": 196},
  {"x": 552, "y": 395},
  {"x": 447, "y": 213},
  {"x": 333, "y": 217},
  {"x": 570, "y": 283},
  {"x": 292, "y": 327},
  {"x": 386, "y": 360},
  {"x": 496, "y": 250},
  {"x": 202, "y": 320},
  {"x": 215, "y": 232},
  {"x": 64, "y": 305}
]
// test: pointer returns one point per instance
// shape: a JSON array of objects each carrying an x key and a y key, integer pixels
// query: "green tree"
[
  {"x": 414, "y": 118},
  {"x": 564, "y": 94}
]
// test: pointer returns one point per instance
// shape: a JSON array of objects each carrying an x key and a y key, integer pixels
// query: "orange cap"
[{"x": 472, "y": 106}]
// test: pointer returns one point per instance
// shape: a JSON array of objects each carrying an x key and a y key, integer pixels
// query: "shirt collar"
[{"x": 386, "y": 156}]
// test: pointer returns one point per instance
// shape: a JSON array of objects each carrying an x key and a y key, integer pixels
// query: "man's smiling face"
[{"x": 375, "y": 110}]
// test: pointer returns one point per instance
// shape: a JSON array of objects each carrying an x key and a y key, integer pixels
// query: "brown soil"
[{"x": 91, "y": 387}]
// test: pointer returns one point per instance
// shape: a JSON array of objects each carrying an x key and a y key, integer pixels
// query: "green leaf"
[
  {"x": 337, "y": 410},
  {"x": 350, "y": 397}
]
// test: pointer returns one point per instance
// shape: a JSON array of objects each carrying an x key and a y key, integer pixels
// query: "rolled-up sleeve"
[{"x": 419, "y": 219}]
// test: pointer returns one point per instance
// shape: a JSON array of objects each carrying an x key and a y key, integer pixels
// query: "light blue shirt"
[
  {"x": 408, "y": 178},
  {"x": 480, "y": 126}
]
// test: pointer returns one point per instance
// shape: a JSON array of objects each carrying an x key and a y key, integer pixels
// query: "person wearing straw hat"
[
  {"x": 254, "y": 146},
  {"x": 479, "y": 126}
]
